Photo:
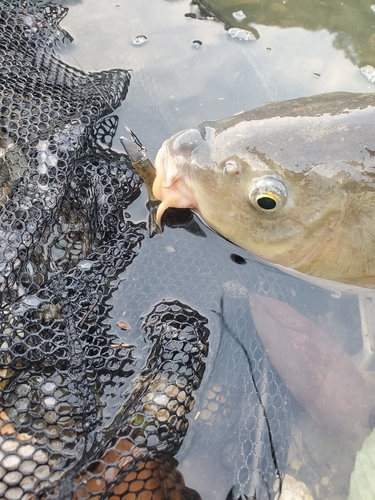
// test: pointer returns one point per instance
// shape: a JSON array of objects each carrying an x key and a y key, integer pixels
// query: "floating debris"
[
  {"x": 123, "y": 325},
  {"x": 239, "y": 15},
  {"x": 197, "y": 44},
  {"x": 139, "y": 40},
  {"x": 241, "y": 34}
]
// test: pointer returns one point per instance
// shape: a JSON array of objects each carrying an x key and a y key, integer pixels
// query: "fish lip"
[
  {"x": 171, "y": 185},
  {"x": 161, "y": 166},
  {"x": 168, "y": 171}
]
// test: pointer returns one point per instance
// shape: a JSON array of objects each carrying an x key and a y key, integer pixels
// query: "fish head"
[
  {"x": 253, "y": 183},
  {"x": 194, "y": 170},
  {"x": 176, "y": 162}
]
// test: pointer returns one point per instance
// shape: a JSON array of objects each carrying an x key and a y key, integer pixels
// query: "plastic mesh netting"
[
  {"x": 88, "y": 411},
  {"x": 48, "y": 117},
  {"x": 240, "y": 433}
]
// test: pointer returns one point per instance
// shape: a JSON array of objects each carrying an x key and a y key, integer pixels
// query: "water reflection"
[
  {"x": 174, "y": 86},
  {"x": 351, "y": 21}
]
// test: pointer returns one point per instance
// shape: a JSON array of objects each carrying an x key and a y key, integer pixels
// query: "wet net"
[
  {"x": 48, "y": 116},
  {"x": 84, "y": 415}
]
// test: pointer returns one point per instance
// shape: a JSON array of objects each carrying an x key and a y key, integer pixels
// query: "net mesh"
[
  {"x": 83, "y": 414},
  {"x": 240, "y": 432},
  {"x": 48, "y": 116}
]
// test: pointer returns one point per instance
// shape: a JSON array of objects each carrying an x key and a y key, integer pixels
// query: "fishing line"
[{"x": 226, "y": 328}]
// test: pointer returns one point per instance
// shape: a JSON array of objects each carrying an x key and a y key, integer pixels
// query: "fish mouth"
[{"x": 172, "y": 184}]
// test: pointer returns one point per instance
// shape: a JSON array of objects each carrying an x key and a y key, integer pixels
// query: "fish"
[
  {"x": 318, "y": 372},
  {"x": 292, "y": 182},
  {"x": 67, "y": 401}
]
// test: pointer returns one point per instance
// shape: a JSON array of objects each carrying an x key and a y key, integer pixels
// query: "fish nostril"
[
  {"x": 231, "y": 168},
  {"x": 186, "y": 142}
]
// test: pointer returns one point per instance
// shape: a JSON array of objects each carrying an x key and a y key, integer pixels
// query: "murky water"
[
  {"x": 176, "y": 84},
  {"x": 186, "y": 70}
]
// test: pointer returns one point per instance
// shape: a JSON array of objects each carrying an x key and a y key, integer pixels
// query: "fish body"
[
  {"x": 319, "y": 373},
  {"x": 291, "y": 182}
]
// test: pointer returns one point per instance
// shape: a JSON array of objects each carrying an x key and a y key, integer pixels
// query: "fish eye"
[{"x": 268, "y": 193}]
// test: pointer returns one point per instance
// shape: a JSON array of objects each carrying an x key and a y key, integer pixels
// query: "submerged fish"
[
  {"x": 319, "y": 373},
  {"x": 292, "y": 182}
]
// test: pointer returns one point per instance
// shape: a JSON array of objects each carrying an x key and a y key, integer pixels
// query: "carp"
[{"x": 292, "y": 182}]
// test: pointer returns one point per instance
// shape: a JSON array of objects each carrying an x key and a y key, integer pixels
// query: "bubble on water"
[
  {"x": 239, "y": 15},
  {"x": 241, "y": 34},
  {"x": 197, "y": 44},
  {"x": 140, "y": 40},
  {"x": 369, "y": 72}
]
